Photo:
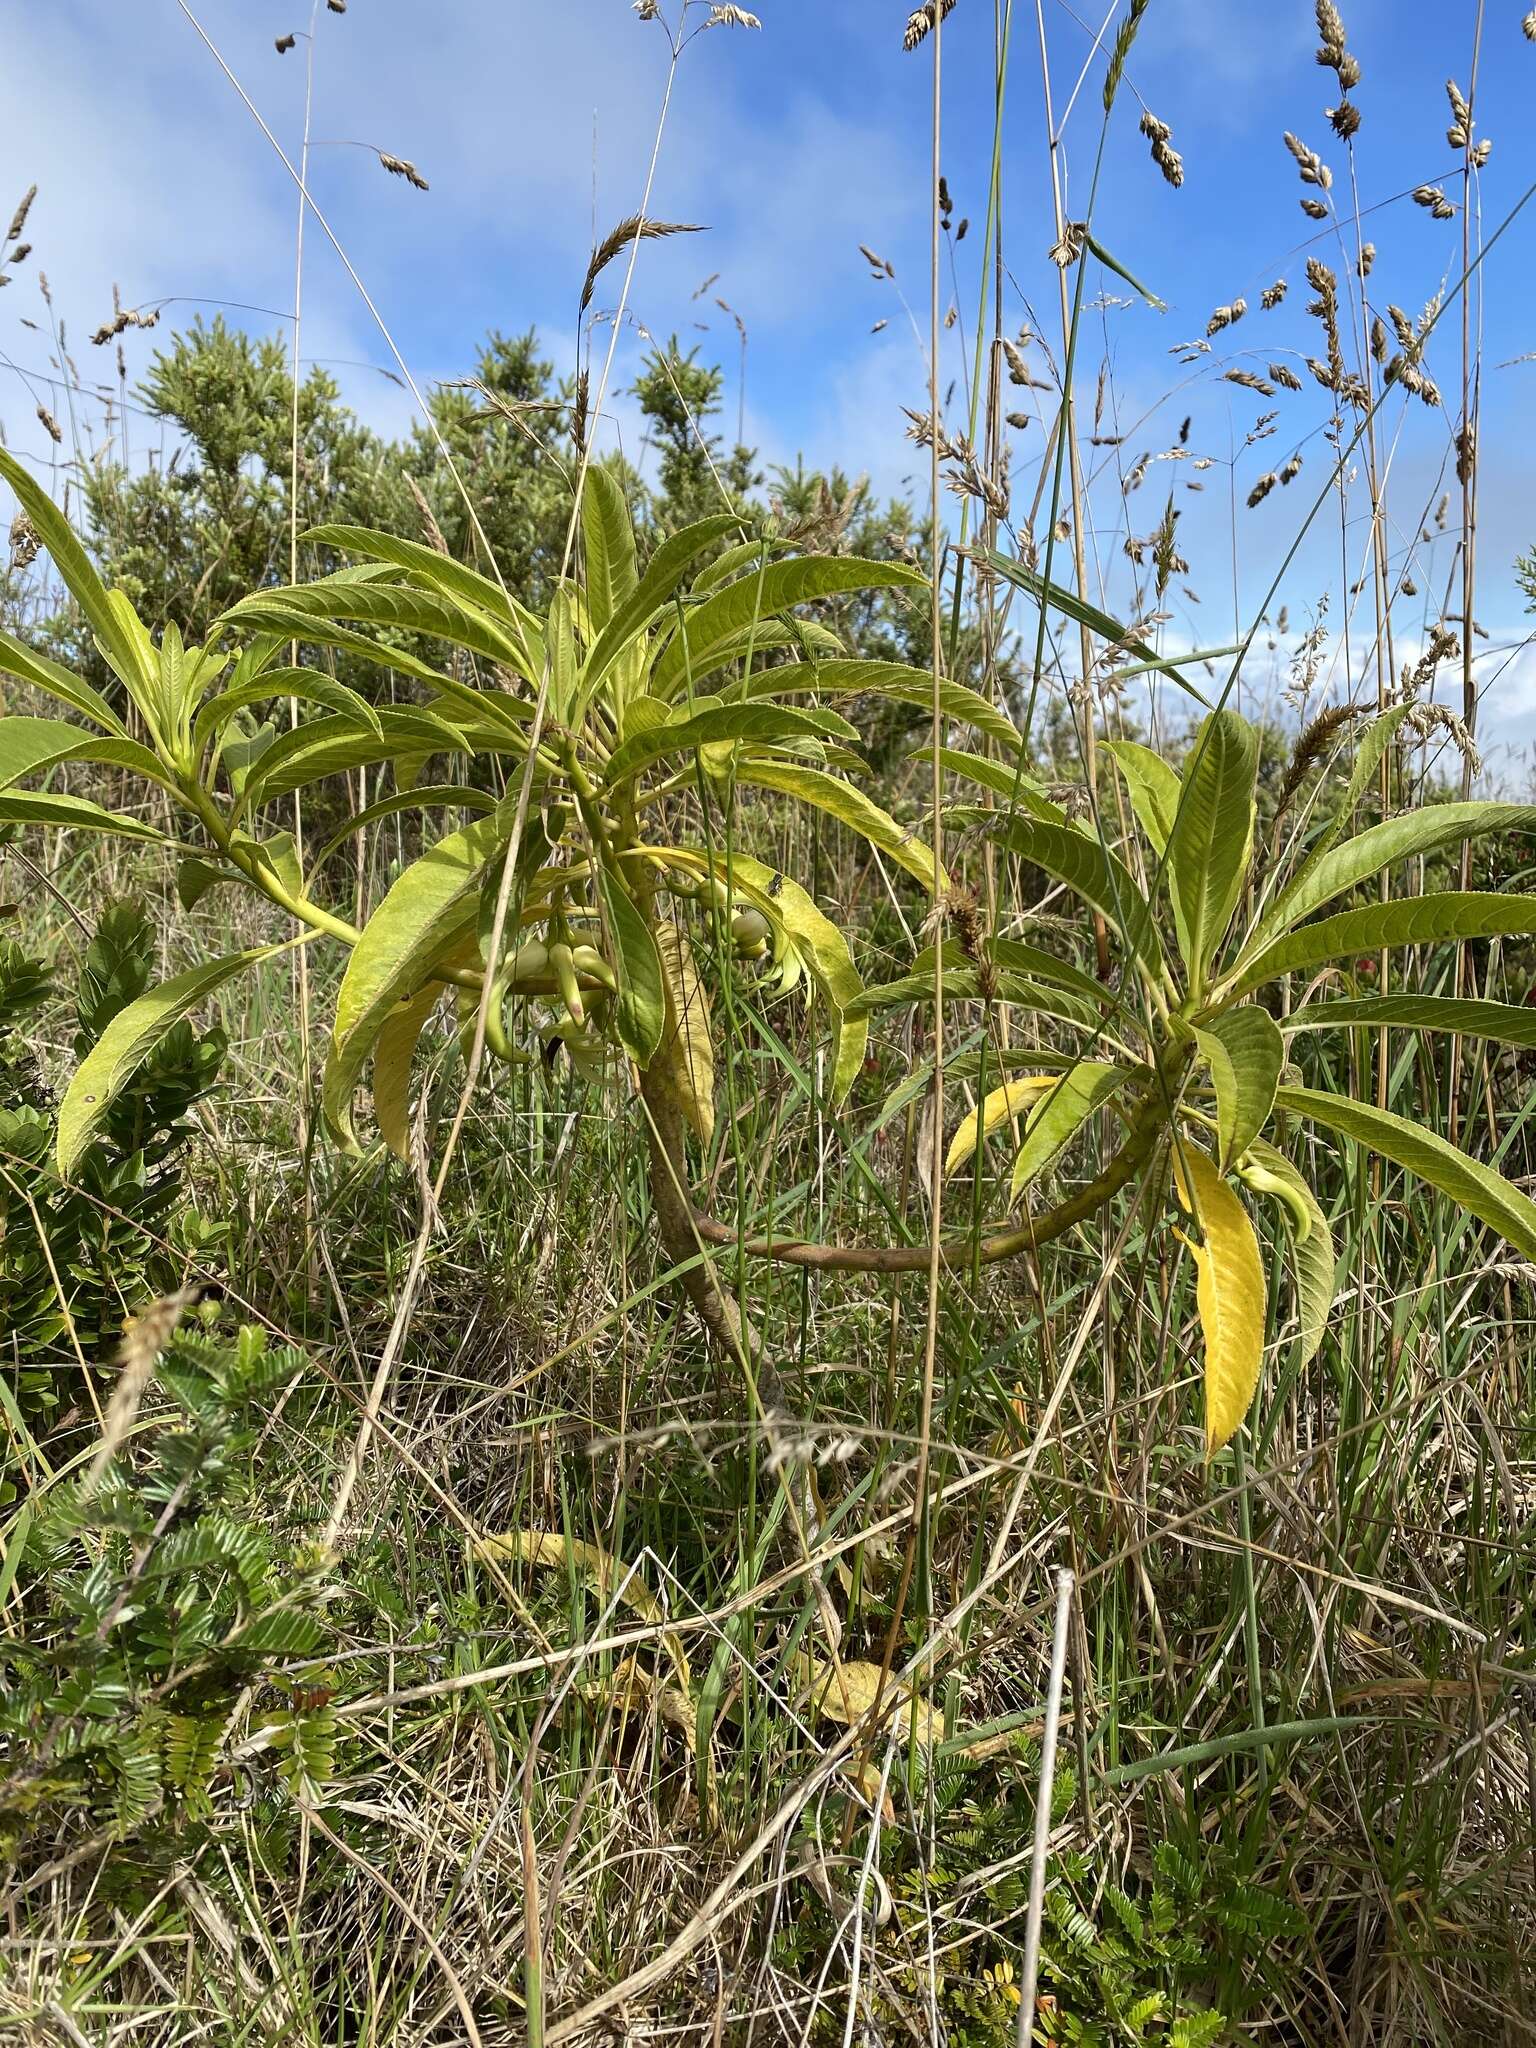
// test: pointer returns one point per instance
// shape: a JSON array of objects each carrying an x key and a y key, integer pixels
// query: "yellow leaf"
[
  {"x": 686, "y": 1054},
  {"x": 1003, "y": 1103},
  {"x": 845, "y": 1693},
  {"x": 551, "y": 1552},
  {"x": 1230, "y": 1294},
  {"x": 632, "y": 1688}
]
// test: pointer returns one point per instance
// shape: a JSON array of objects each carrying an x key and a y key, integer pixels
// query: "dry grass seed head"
[
  {"x": 635, "y": 229},
  {"x": 1273, "y": 294},
  {"x": 402, "y": 167},
  {"x": 25, "y": 544},
  {"x": 1332, "y": 54},
  {"x": 1313, "y": 170},
  {"x": 51, "y": 426},
  {"x": 924, "y": 20},
  {"x": 1164, "y": 155},
  {"x": 19, "y": 217},
  {"x": 1281, "y": 374},
  {"x": 1226, "y": 316},
  {"x": 284, "y": 44}
]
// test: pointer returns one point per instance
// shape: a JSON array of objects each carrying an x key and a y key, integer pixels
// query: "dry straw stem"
[{"x": 635, "y": 229}]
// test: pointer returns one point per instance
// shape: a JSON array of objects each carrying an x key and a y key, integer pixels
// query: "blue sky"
[{"x": 534, "y": 124}]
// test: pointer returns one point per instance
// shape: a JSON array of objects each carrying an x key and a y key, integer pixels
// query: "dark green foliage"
[
  {"x": 151, "y": 1603},
  {"x": 75, "y": 1260}
]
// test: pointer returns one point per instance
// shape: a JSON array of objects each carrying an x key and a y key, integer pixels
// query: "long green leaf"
[
  {"x": 641, "y": 1013},
  {"x": 128, "y": 1041},
  {"x": 308, "y": 608},
  {"x": 449, "y": 580},
  {"x": 305, "y": 685},
  {"x": 695, "y": 651},
  {"x": 1003, "y": 778},
  {"x": 1059, "y": 1118},
  {"x": 1408, "y": 921},
  {"x": 663, "y": 576},
  {"x": 1503, "y": 1023},
  {"x": 1414, "y": 834},
  {"x": 31, "y": 746},
  {"x": 1099, "y": 877},
  {"x": 852, "y": 807},
  {"x": 758, "y": 723},
  {"x": 1212, "y": 835},
  {"x": 331, "y": 746},
  {"x": 608, "y": 539},
  {"x": 18, "y": 660},
  {"x": 432, "y": 904},
  {"x": 429, "y": 796},
  {"x": 1082, "y": 613},
  {"x": 42, "y": 807},
  {"x": 1312, "y": 1251},
  {"x": 893, "y": 681},
  {"x": 1246, "y": 1053},
  {"x": 1422, "y": 1152},
  {"x": 72, "y": 562},
  {"x": 1153, "y": 786}
]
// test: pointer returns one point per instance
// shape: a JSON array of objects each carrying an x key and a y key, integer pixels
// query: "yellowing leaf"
[
  {"x": 631, "y": 1689},
  {"x": 686, "y": 1054},
  {"x": 1021, "y": 1093},
  {"x": 1230, "y": 1294},
  {"x": 552, "y": 1552},
  {"x": 845, "y": 1693}
]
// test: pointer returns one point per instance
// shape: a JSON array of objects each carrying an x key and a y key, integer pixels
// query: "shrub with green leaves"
[
  {"x": 620, "y": 722},
  {"x": 1223, "y": 953},
  {"x": 76, "y": 1258},
  {"x": 154, "y": 1596}
]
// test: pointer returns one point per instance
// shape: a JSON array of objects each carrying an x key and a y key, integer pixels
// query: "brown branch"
[{"x": 959, "y": 1252}]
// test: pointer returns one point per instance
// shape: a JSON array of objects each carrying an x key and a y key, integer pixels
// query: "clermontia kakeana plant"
[
  {"x": 563, "y": 900},
  {"x": 1189, "y": 1055},
  {"x": 563, "y": 895}
]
